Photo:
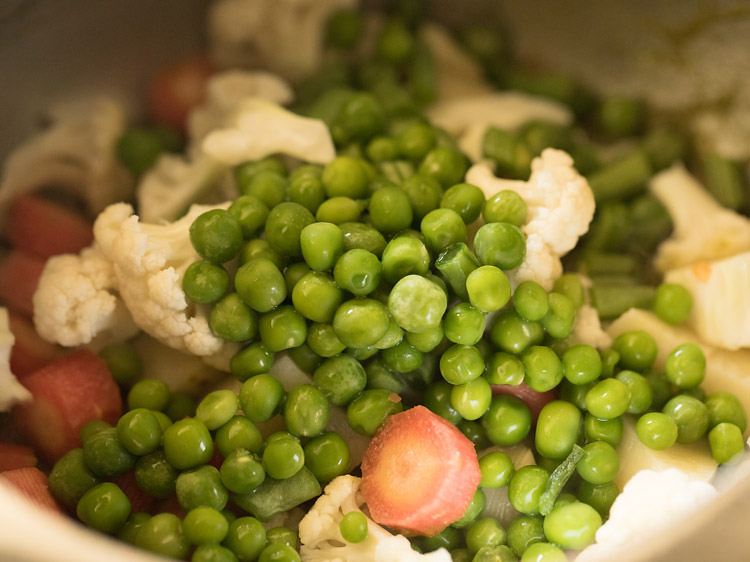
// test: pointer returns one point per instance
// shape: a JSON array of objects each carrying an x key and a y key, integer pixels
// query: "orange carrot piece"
[
  {"x": 32, "y": 483},
  {"x": 14, "y": 455}
]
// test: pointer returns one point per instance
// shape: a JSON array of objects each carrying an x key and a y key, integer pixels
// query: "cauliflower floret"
[
  {"x": 587, "y": 328},
  {"x": 467, "y": 118},
  {"x": 261, "y": 128},
  {"x": 321, "y": 539},
  {"x": 76, "y": 153},
  {"x": 149, "y": 262},
  {"x": 11, "y": 391},
  {"x": 226, "y": 91},
  {"x": 77, "y": 300},
  {"x": 703, "y": 229},
  {"x": 649, "y": 503},
  {"x": 560, "y": 207},
  {"x": 285, "y": 36}
]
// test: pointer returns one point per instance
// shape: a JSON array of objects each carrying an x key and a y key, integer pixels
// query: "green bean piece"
[
  {"x": 505, "y": 148},
  {"x": 611, "y": 301},
  {"x": 500, "y": 244},
  {"x": 123, "y": 362},
  {"x": 724, "y": 180},
  {"x": 620, "y": 116},
  {"x": 261, "y": 397},
  {"x": 538, "y": 135},
  {"x": 559, "y": 477},
  {"x": 609, "y": 263},
  {"x": 622, "y": 178},
  {"x": 663, "y": 147},
  {"x": 261, "y": 285},
  {"x": 456, "y": 263},
  {"x": 673, "y": 303},
  {"x": 233, "y": 320},
  {"x": 560, "y": 87},
  {"x": 507, "y": 421}
]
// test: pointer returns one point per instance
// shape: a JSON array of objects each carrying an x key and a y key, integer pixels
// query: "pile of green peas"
[{"x": 383, "y": 275}]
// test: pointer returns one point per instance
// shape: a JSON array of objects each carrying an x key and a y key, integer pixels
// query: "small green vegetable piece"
[
  {"x": 726, "y": 442},
  {"x": 353, "y": 526},
  {"x": 673, "y": 303},
  {"x": 558, "y": 479},
  {"x": 104, "y": 507},
  {"x": 216, "y": 236}
]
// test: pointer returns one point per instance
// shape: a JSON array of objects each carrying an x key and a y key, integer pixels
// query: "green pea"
[
  {"x": 162, "y": 534},
  {"x": 282, "y": 328},
  {"x": 367, "y": 412},
  {"x": 607, "y": 399},
  {"x": 339, "y": 210},
  {"x": 526, "y": 487},
  {"x": 282, "y": 535},
  {"x": 390, "y": 210},
  {"x": 637, "y": 350},
  {"x": 138, "y": 148},
  {"x": 544, "y": 369},
  {"x": 543, "y": 552},
  {"x": 465, "y": 199},
  {"x": 201, "y": 487},
  {"x": 321, "y": 243},
  {"x": 394, "y": 336},
  {"x": 251, "y": 213},
  {"x": 307, "y": 188},
  {"x": 685, "y": 366},
  {"x": 690, "y": 415},
  {"x": 261, "y": 397},
  {"x": 725, "y": 407},
  {"x": 656, "y": 430},
  {"x": 238, "y": 433},
  {"x": 216, "y": 236},
  {"x": 233, "y": 320},
  {"x": 726, "y": 442},
  {"x": 246, "y": 538},
  {"x": 513, "y": 334},
  {"x": 424, "y": 194},
  {"x": 283, "y": 458},
  {"x": 558, "y": 322},
  {"x": 488, "y": 288},
  {"x": 345, "y": 176},
  {"x": 620, "y": 116},
  {"x": 599, "y": 496},
  {"x": 496, "y": 468},
  {"x": 284, "y": 225},
  {"x": 505, "y": 206},
  {"x": 641, "y": 394},
  {"x": 599, "y": 464},
  {"x": 362, "y": 236},
  {"x": 484, "y": 532},
  {"x": 353, "y": 526},
  {"x": 404, "y": 256},
  {"x": 317, "y": 297},
  {"x": 581, "y": 364},
  {"x": 460, "y": 364},
  {"x": 596, "y": 429},
  {"x": 570, "y": 285},
  {"x": 500, "y": 244},
  {"x": 260, "y": 284},
  {"x": 104, "y": 507},
  {"x": 661, "y": 388},
  {"x": 132, "y": 525},
  {"x": 217, "y": 408},
  {"x": 572, "y": 525},
  {"x": 472, "y": 399},
  {"x": 123, "y": 362},
  {"x": 402, "y": 357},
  {"x": 327, "y": 456},
  {"x": 445, "y": 165},
  {"x": 417, "y": 304},
  {"x": 205, "y": 525},
  {"x": 507, "y": 421},
  {"x": 152, "y": 394},
  {"x": 187, "y": 443},
  {"x": 361, "y": 322},
  {"x": 557, "y": 429},
  {"x": 251, "y": 360},
  {"x": 437, "y": 398},
  {"x": 105, "y": 456},
  {"x": 464, "y": 324},
  {"x": 524, "y": 531},
  {"x": 322, "y": 340},
  {"x": 673, "y": 303},
  {"x": 305, "y": 411},
  {"x": 155, "y": 476},
  {"x": 241, "y": 471},
  {"x": 442, "y": 228},
  {"x": 279, "y": 553},
  {"x": 268, "y": 185},
  {"x": 139, "y": 431},
  {"x": 474, "y": 432},
  {"x": 358, "y": 271},
  {"x": 530, "y": 300},
  {"x": 70, "y": 478},
  {"x": 382, "y": 149}
]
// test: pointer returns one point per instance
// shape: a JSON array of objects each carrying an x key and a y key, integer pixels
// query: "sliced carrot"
[
  {"x": 32, "y": 483},
  {"x": 533, "y": 399},
  {"x": 419, "y": 473},
  {"x": 177, "y": 90},
  {"x": 19, "y": 276},
  {"x": 66, "y": 394},
  {"x": 43, "y": 228},
  {"x": 30, "y": 352},
  {"x": 13, "y": 456}
]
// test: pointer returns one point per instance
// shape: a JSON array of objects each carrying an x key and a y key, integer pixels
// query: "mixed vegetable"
[{"x": 424, "y": 304}]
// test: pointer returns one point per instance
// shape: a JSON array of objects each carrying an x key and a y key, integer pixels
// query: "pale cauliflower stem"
[
  {"x": 703, "y": 229},
  {"x": 560, "y": 208},
  {"x": 226, "y": 91},
  {"x": 11, "y": 391},
  {"x": 257, "y": 128},
  {"x": 77, "y": 301},
  {"x": 284, "y": 36},
  {"x": 321, "y": 540},
  {"x": 649, "y": 503},
  {"x": 467, "y": 118},
  {"x": 76, "y": 153},
  {"x": 721, "y": 299}
]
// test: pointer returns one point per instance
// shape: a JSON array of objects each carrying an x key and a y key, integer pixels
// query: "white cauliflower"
[
  {"x": 284, "y": 36},
  {"x": 467, "y": 118},
  {"x": 77, "y": 301},
  {"x": 587, "y": 328},
  {"x": 76, "y": 153},
  {"x": 560, "y": 207},
  {"x": 261, "y": 128},
  {"x": 650, "y": 502},
  {"x": 11, "y": 391},
  {"x": 321, "y": 540},
  {"x": 703, "y": 229},
  {"x": 459, "y": 74},
  {"x": 721, "y": 299},
  {"x": 226, "y": 91},
  {"x": 149, "y": 262}
]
